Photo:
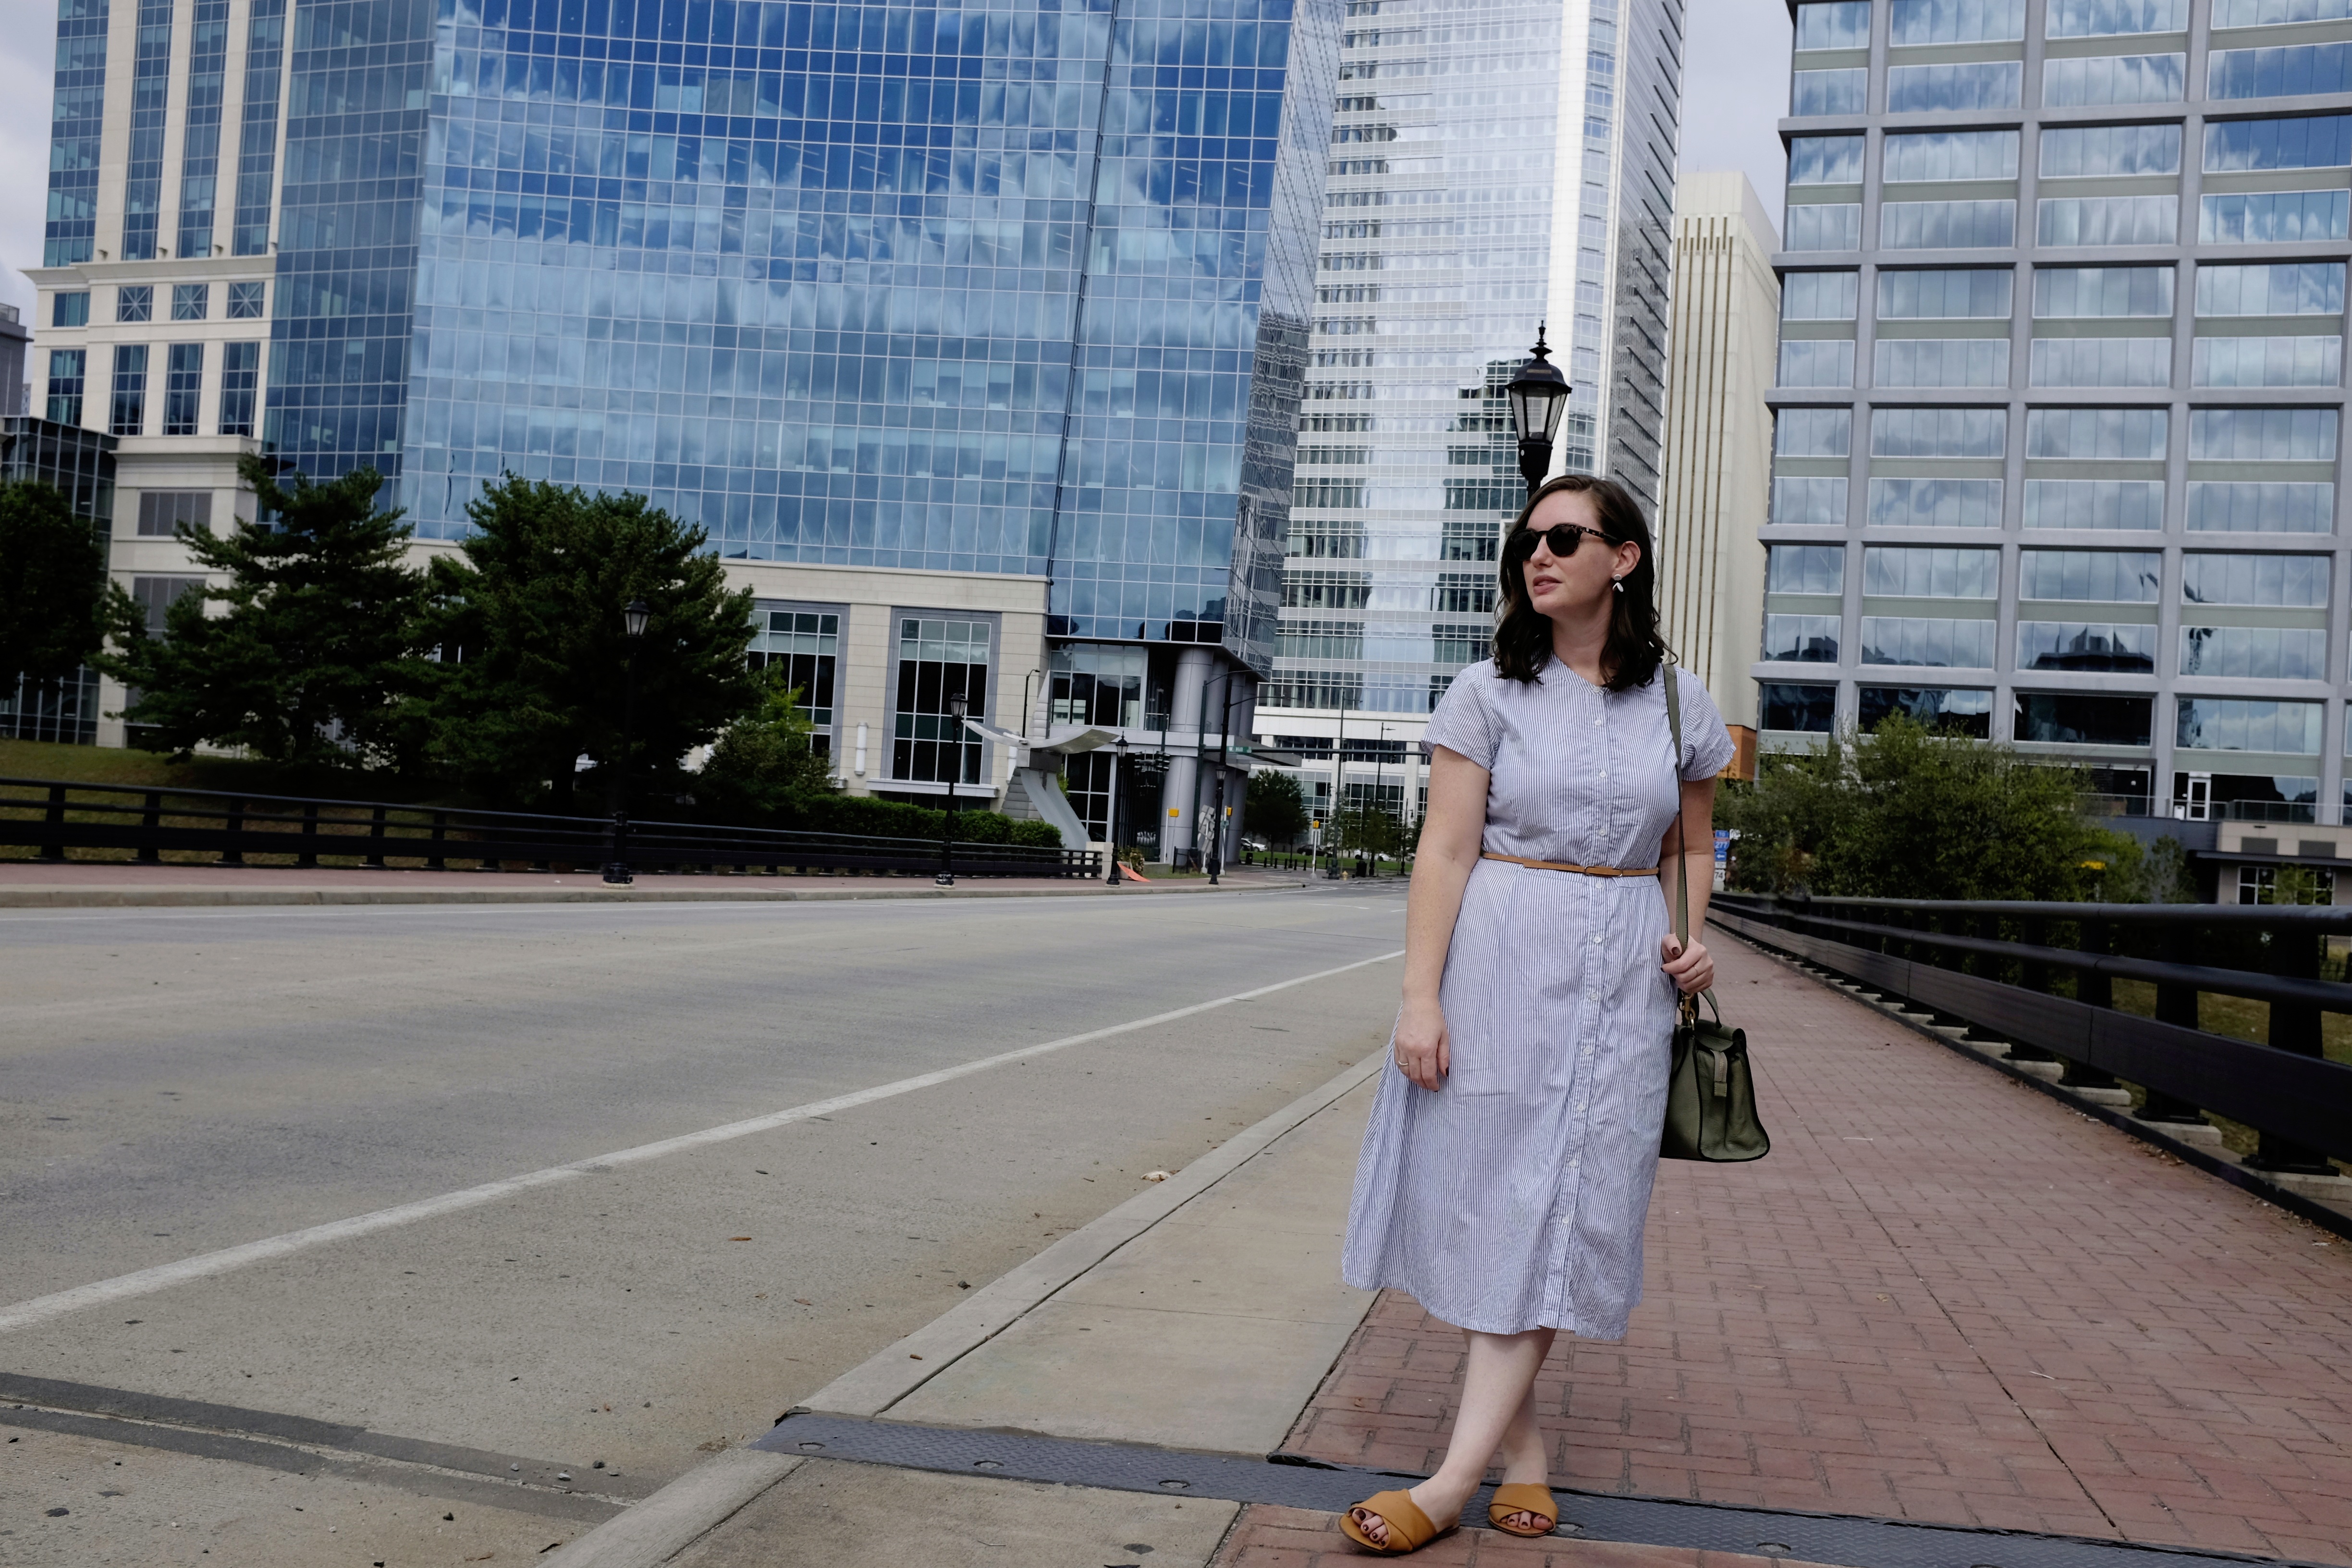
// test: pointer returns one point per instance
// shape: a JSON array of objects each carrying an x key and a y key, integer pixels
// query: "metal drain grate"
[{"x": 1304, "y": 1484}]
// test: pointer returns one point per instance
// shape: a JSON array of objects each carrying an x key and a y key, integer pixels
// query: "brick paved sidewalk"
[{"x": 1944, "y": 1296}]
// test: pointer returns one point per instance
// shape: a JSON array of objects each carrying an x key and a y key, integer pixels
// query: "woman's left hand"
[{"x": 1691, "y": 968}]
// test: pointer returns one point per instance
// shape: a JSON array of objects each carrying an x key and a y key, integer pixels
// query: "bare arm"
[
  {"x": 1692, "y": 836},
  {"x": 1453, "y": 829}
]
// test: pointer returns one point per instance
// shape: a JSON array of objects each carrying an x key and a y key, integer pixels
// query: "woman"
[{"x": 1506, "y": 1170}]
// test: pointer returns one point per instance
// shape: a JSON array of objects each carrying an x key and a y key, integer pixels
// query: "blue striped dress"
[{"x": 1512, "y": 1197}]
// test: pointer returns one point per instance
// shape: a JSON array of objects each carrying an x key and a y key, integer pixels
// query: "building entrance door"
[{"x": 2194, "y": 799}]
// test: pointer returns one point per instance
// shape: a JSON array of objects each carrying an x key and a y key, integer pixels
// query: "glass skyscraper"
[
  {"x": 998, "y": 291},
  {"x": 2061, "y": 397}
]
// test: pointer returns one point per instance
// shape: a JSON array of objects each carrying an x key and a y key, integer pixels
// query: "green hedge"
[{"x": 869, "y": 817}]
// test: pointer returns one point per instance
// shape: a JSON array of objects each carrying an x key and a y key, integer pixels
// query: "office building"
[
  {"x": 2061, "y": 397},
  {"x": 1495, "y": 165},
  {"x": 972, "y": 335},
  {"x": 1718, "y": 450}
]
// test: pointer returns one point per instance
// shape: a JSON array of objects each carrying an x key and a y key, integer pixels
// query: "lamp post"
[
  {"x": 634, "y": 617},
  {"x": 1110, "y": 826},
  {"x": 1539, "y": 395},
  {"x": 957, "y": 709}
]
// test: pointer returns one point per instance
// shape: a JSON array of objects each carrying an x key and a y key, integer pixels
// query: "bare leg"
[{"x": 1498, "y": 1411}]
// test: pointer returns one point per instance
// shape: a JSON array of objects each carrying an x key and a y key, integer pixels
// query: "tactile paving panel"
[{"x": 1649, "y": 1521}]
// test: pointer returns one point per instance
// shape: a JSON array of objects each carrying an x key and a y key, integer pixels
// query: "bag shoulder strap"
[{"x": 1682, "y": 839}]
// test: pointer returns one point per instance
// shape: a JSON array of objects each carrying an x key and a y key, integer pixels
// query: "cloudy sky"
[{"x": 1733, "y": 84}]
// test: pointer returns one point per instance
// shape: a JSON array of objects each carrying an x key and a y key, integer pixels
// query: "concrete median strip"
[{"x": 921, "y": 1368}]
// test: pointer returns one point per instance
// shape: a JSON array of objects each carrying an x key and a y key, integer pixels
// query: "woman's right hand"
[{"x": 1423, "y": 1054}]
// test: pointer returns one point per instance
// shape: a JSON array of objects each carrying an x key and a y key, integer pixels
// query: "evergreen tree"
[
  {"x": 54, "y": 613},
  {"x": 305, "y": 664},
  {"x": 763, "y": 765},
  {"x": 532, "y": 664}
]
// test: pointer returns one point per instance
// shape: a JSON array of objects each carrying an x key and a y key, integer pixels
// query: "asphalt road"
[{"x": 176, "y": 1083}]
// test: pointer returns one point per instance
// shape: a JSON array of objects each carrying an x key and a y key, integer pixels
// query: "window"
[
  {"x": 1808, "y": 709},
  {"x": 1832, "y": 226},
  {"x": 1938, "y": 432},
  {"x": 2095, "y": 646},
  {"x": 1929, "y": 155},
  {"x": 2258, "y": 507},
  {"x": 2273, "y": 13},
  {"x": 2095, "y": 503},
  {"x": 1828, "y": 92},
  {"x": 1935, "y": 503},
  {"x": 2273, "y": 217},
  {"x": 69, "y": 378},
  {"x": 2240, "y": 724},
  {"x": 2108, "y": 435},
  {"x": 1938, "y": 644},
  {"x": 2114, "y": 78},
  {"x": 245, "y": 301},
  {"x": 1802, "y": 638},
  {"x": 2107, "y": 220},
  {"x": 1909, "y": 572},
  {"x": 939, "y": 659},
  {"x": 1325, "y": 590},
  {"x": 2280, "y": 581},
  {"x": 1957, "y": 21},
  {"x": 2077, "y": 152},
  {"x": 1817, "y": 362},
  {"x": 2255, "y": 653},
  {"x": 2093, "y": 576},
  {"x": 1953, "y": 712},
  {"x": 2294, "y": 288},
  {"x": 1840, "y": 24},
  {"x": 2258, "y": 797},
  {"x": 1974, "y": 293},
  {"x": 1941, "y": 362},
  {"x": 1826, "y": 160},
  {"x": 806, "y": 644},
  {"x": 240, "y": 384},
  {"x": 2313, "y": 142},
  {"x": 2109, "y": 18},
  {"x": 191, "y": 302},
  {"x": 156, "y": 595},
  {"x": 2296, "y": 71},
  {"x": 134, "y": 302},
  {"x": 70, "y": 309},
  {"x": 184, "y": 388},
  {"x": 2259, "y": 884},
  {"x": 1947, "y": 226},
  {"x": 2083, "y": 718},
  {"x": 2094, "y": 292},
  {"x": 1813, "y": 432},
  {"x": 1807, "y": 501},
  {"x": 1464, "y": 592},
  {"x": 1460, "y": 642},
  {"x": 2267, "y": 361},
  {"x": 161, "y": 512},
  {"x": 1822, "y": 296},
  {"x": 128, "y": 415},
  {"x": 1972, "y": 84},
  {"x": 2100, "y": 362},
  {"x": 1804, "y": 568},
  {"x": 2262, "y": 434},
  {"x": 1325, "y": 640}
]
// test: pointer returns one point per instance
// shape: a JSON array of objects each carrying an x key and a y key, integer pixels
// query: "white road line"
[{"x": 163, "y": 1277}]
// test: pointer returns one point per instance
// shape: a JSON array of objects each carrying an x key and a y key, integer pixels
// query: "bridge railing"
[
  {"x": 2043, "y": 977},
  {"x": 55, "y": 819}
]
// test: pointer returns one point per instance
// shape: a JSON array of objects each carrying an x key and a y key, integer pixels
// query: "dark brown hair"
[{"x": 1523, "y": 633}]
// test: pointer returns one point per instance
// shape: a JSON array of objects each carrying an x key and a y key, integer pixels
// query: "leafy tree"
[
  {"x": 764, "y": 761},
  {"x": 1364, "y": 830},
  {"x": 1274, "y": 809},
  {"x": 53, "y": 615},
  {"x": 533, "y": 661},
  {"x": 1906, "y": 813},
  {"x": 305, "y": 666}
]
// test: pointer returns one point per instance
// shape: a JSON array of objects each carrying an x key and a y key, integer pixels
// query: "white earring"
[{"x": 1618, "y": 583}]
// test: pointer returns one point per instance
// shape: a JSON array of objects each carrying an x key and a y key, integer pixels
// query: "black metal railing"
[
  {"x": 2042, "y": 977},
  {"x": 54, "y": 819}
]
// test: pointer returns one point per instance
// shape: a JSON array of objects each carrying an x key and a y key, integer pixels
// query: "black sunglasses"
[{"x": 1563, "y": 538}]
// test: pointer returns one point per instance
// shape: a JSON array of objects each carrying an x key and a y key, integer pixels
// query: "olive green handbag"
[{"x": 1710, "y": 1092}]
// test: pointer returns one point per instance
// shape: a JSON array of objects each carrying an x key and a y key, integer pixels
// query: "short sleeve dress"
[{"x": 1513, "y": 1196}]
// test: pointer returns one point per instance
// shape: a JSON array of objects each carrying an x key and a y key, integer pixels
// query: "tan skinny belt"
[{"x": 1564, "y": 866}]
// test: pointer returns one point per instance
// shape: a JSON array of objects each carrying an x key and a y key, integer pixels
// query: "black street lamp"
[
  {"x": 957, "y": 709},
  {"x": 1539, "y": 395},
  {"x": 1110, "y": 828},
  {"x": 1217, "y": 808},
  {"x": 634, "y": 617}
]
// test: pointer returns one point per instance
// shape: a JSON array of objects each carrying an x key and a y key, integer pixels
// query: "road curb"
[
  {"x": 657, "y": 1529},
  {"x": 209, "y": 897}
]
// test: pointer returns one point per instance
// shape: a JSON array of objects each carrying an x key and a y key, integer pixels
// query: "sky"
[{"x": 1735, "y": 84}]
